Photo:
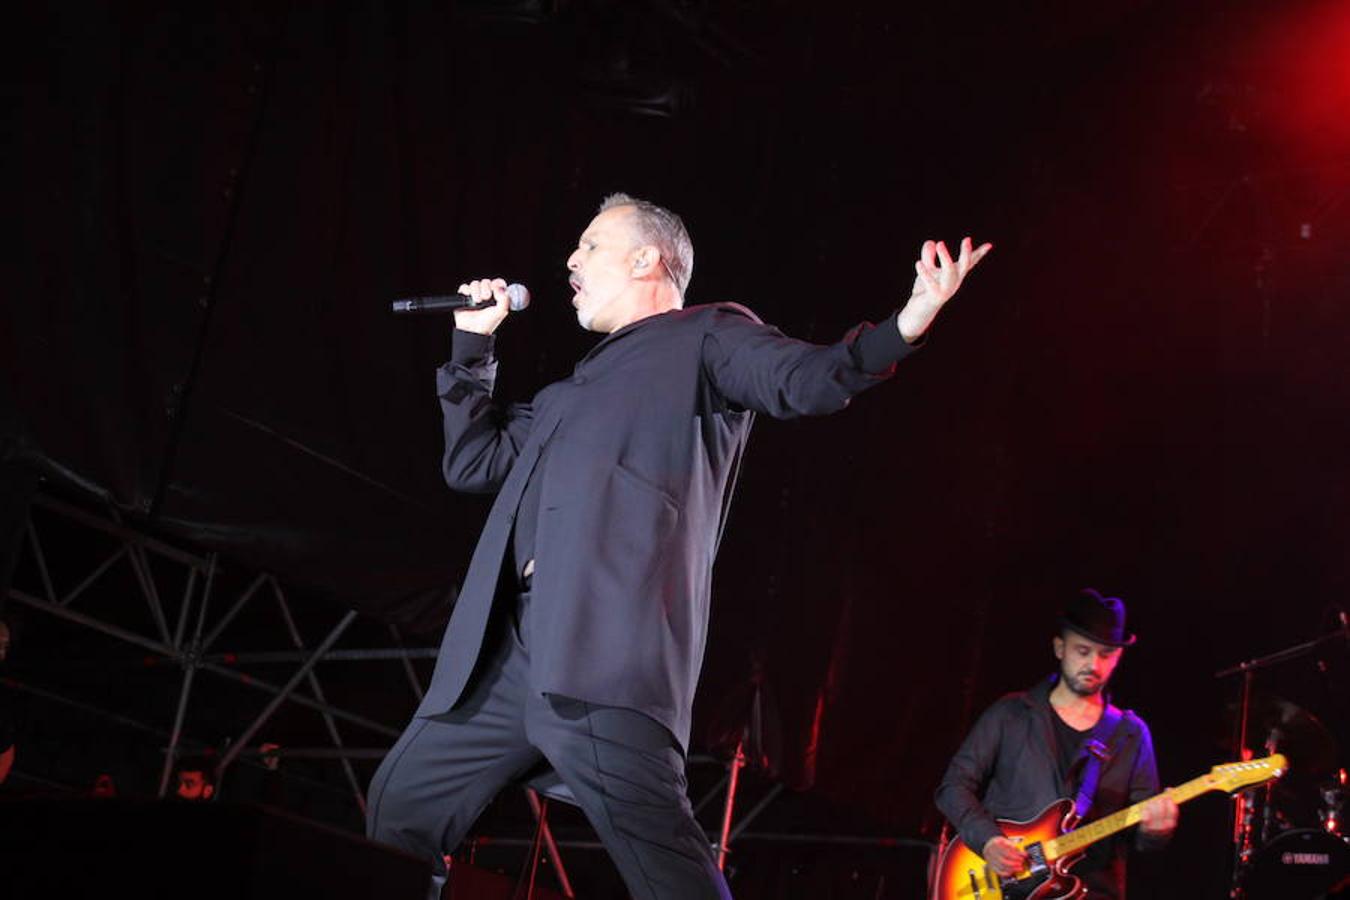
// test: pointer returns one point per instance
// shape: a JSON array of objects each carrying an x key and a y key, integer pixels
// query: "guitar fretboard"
[{"x": 1118, "y": 821}]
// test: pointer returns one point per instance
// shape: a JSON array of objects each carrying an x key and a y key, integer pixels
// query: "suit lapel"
[{"x": 463, "y": 640}]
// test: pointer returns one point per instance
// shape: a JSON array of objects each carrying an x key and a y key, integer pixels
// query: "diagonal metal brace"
[{"x": 242, "y": 741}]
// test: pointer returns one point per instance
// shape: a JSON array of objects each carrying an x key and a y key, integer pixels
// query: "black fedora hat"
[{"x": 1097, "y": 618}]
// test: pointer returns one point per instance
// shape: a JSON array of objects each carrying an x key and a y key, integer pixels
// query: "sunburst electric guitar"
[{"x": 1053, "y": 845}]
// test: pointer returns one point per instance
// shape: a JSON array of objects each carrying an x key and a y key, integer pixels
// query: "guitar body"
[{"x": 962, "y": 874}]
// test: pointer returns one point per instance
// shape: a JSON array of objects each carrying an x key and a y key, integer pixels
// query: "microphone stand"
[{"x": 1243, "y": 812}]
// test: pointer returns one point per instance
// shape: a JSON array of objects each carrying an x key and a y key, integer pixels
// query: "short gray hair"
[{"x": 664, "y": 230}]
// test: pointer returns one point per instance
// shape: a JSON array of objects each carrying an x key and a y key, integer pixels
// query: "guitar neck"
[{"x": 1106, "y": 826}]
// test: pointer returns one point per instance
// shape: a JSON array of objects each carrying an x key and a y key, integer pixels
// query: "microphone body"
[{"x": 517, "y": 296}]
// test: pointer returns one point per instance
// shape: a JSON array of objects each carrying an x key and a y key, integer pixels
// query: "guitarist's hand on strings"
[
  {"x": 1159, "y": 816},
  {"x": 1003, "y": 856}
]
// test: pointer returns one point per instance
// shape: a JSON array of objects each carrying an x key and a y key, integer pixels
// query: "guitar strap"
[{"x": 1096, "y": 752}]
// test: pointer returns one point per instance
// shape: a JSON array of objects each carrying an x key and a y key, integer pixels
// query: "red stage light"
[{"x": 1307, "y": 55}]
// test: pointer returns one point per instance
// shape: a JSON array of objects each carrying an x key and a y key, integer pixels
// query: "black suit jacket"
[{"x": 642, "y": 442}]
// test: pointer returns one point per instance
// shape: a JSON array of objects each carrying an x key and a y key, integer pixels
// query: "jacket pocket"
[{"x": 640, "y": 524}]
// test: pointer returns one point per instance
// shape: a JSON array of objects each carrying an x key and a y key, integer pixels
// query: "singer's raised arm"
[
  {"x": 756, "y": 367},
  {"x": 937, "y": 278},
  {"x": 482, "y": 438}
]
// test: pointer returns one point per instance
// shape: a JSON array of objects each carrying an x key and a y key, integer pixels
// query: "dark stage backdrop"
[{"x": 1142, "y": 389}]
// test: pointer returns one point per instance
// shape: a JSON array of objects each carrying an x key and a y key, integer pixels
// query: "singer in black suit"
[{"x": 578, "y": 635}]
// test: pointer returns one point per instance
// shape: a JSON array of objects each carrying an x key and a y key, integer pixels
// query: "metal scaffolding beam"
[
  {"x": 183, "y": 631},
  {"x": 189, "y": 635}
]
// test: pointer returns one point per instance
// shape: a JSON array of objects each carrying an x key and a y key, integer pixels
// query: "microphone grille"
[{"x": 517, "y": 296}]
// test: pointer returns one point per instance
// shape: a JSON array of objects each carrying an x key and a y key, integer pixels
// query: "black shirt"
[{"x": 1069, "y": 743}]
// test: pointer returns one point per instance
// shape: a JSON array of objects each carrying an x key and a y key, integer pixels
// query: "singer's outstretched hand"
[
  {"x": 485, "y": 320},
  {"x": 937, "y": 279}
]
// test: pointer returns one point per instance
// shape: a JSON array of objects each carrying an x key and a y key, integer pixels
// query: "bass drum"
[{"x": 1304, "y": 864}]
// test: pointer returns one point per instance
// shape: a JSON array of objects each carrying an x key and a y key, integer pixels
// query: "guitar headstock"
[{"x": 1236, "y": 776}]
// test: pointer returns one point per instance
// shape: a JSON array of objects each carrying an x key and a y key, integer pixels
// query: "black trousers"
[{"x": 625, "y": 770}]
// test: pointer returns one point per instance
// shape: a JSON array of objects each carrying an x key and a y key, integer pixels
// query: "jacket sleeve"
[
  {"x": 1144, "y": 783},
  {"x": 482, "y": 438},
  {"x": 754, "y": 366},
  {"x": 958, "y": 796}
]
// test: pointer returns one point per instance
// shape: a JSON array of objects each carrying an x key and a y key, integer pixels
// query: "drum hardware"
[
  {"x": 1310, "y": 855},
  {"x": 1302, "y": 864},
  {"x": 1333, "y": 801}
]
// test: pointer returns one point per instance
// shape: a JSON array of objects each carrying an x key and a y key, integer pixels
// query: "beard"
[{"x": 1083, "y": 684}]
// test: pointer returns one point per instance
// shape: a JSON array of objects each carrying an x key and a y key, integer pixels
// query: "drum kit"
[{"x": 1290, "y": 837}]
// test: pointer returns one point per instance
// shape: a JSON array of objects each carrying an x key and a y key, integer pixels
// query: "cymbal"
[{"x": 1279, "y": 726}]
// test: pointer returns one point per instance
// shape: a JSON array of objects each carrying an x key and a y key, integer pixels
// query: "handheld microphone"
[{"x": 517, "y": 296}]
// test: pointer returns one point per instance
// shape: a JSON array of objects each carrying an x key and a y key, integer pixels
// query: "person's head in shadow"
[
  {"x": 196, "y": 779},
  {"x": 104, "y": 787}
]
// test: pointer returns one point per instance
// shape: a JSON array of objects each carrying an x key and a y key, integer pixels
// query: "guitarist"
[{"x": 1034, "y": 747}]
